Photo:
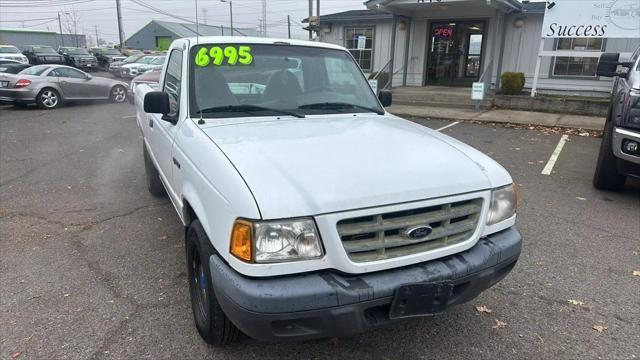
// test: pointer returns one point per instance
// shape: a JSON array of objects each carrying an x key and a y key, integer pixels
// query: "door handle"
[{"x": 150, "y": 123}]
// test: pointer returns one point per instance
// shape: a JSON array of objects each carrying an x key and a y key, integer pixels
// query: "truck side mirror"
[
  {"x": 156, "y": 102},
  {"x": 386, "y": 97},
  {"x": 608, "y": 64}
]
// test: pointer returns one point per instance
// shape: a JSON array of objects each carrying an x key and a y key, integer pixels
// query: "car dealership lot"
[{"x": 93, "y": 266}]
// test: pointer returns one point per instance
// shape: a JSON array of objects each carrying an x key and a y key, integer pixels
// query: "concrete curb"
[{"x": 502, "y": 116}]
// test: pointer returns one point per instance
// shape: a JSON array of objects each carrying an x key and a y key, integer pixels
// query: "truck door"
[{"x": 161, "y": 133}]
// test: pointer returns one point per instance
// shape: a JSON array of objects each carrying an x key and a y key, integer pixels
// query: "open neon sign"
[{"x": 443, "y": 32}]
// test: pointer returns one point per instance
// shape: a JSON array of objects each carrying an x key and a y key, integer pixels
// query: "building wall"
[
  {"x": 145, "y": 38},
  {"x": 21, "y": 39},
  {"x": 520, "y": 51}
]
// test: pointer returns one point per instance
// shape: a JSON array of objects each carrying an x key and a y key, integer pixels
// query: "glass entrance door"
[{"x": 455, "y": 53}]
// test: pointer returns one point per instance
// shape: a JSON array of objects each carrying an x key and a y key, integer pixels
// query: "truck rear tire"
[
  {"x": 607, "y": 176},
  {"x": 154, "y": 184},
  {"x": 212, "y": 324}
]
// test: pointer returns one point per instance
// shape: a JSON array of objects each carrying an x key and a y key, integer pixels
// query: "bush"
[{"x": 512, "y": 83}]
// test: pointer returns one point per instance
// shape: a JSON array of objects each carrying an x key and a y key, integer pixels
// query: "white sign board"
[
  {"x": 362, "y": 42},
  {"x": 374, "y": 85},
  {"x": 592, "y": 19},
  {"x": 477, "y": 91}
]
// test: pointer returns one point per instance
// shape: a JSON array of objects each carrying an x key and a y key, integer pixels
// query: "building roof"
[
  {"x": 534, "y": 7},
  {"x": 189, "y": 29},
  {"x": 27, "y": 30},
  {"x": 352, "y": 15}
]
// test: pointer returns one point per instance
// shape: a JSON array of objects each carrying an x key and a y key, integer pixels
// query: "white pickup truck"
[{"x": 310, "y": 211}]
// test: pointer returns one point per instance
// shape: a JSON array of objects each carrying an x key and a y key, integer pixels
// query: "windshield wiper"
[
  {"x": 338, "y": 105},
  {"x": 248, "y": 109}
]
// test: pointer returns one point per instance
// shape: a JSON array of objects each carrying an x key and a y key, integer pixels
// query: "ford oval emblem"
[{"x": 419, "y": 232}]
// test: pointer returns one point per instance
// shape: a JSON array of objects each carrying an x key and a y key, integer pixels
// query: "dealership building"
[
  {"x": 23, "y": 37},
  {"x": 459, "y": 42}
]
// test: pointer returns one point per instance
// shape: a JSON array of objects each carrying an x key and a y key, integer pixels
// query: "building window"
[
  {"x": 577, "y": 66},
  {"x": 364, "y": 57}
]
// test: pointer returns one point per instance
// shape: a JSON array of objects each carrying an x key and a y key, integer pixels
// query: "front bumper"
[
  {"x": 619, "y": 136},
  {"x": 327, "y": 304}
]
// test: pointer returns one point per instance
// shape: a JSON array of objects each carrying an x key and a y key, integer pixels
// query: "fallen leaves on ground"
[
  {"x": 636, "y": 273},
  {"x": 581, "y": 198},
  {"x": 16, "y": 354},
  {"x": 575, "y": 302},
  {"x": 163, "y": 237},
  {"x": 599, "y": 328},
  {"x": 483, "y": 309},
  {"x": 499, "y": 324}
]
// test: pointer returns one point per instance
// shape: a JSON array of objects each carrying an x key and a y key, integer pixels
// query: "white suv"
[{"x": 10, "y": 52}]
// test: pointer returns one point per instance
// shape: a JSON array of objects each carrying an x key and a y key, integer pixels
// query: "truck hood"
[{"x": 336, "y": 163}]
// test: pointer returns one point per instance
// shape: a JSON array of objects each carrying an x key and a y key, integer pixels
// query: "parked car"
[
  {"x": 10, "y": 52},
  {"x": 42, "y": 54},
  {"x": 13, "y": 67},
  {"x": 619, "y": 155},
  {"x": 79, "y": 58},
  {"x": 115, "y": 67},
  {"x": 49, "y": 86},
  {"x": 143, "y": 65},
  {"x": 131, "y": 52},
  {"x": 106, "y": 56},
  {"x": 152, "y": 78},
  {"x": 310, "y": 211}
]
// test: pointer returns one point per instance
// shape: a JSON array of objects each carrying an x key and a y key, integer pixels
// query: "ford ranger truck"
[
  {"x": 310, "y": 211},
  {"x": 619, "y": 155}
]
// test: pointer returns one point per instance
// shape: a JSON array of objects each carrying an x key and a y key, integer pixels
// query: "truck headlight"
[
  {"x": 275, "y": 241},
  {"x": 504, "y": 202}
]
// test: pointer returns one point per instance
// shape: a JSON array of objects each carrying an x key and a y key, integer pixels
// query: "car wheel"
[
  {"x": 212, "y": 324},
  {"x": 607, "y": 176},
  {"x": 118, "y": 94},
  {"x": 48, "y": 99},
  {"x": 154, "y": 184}
]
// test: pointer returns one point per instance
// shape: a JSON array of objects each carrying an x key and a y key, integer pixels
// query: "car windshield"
[
  {"x": 43, "y": 50},
  {"x": 146, "y": 60},
  {"x": 158, "y": 61},
  {"x": 263, "y": 80},
  {"x": 9, "y": 50},
  {"x": 35, "y": 70},
  {"x": 77, "y": 51},
  {"x": 131, "y": 59},
  {"x": 111, "y": 52}
]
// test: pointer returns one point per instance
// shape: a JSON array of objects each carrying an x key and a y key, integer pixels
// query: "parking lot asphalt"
[{"x": 92, "y": 266}]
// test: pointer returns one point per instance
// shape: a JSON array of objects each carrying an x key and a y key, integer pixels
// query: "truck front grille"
[{"x": 385, "y": 236}]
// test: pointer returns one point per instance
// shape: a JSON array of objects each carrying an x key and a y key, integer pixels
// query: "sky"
[{"x": 42, "y": 14}]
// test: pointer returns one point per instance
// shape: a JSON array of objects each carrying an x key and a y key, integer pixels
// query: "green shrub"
[{"x": 512, "y": 83}]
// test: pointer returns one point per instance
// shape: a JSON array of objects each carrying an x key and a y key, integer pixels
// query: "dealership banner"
[{"x": 592, "y": 19}]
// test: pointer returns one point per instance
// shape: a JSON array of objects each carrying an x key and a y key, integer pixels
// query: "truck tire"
[
  {"x": 154, "y": 184},
  {"x": 212, "y": 324},
  {"x": 607, "y": 176}
]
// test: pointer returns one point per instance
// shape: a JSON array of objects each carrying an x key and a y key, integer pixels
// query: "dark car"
[
  {"x": 79, "y": 58},
  {"x": 620, "y": 149},
  {"x": 13, "y": 68},
  {"x": 106, "y": 56},
  {"x": 42, "y": 54}
]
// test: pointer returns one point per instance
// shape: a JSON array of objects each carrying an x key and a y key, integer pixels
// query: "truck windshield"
[
  {"x": 9, "y": 50},
  {"x": 44, "y": 50},
  {"x": 111, "y": 52},
  {"x": 239, "y": 80},
  {"x": 77, "y": 51}
]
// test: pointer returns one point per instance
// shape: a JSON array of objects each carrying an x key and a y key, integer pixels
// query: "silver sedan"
[{"x": 49, "y": 86}]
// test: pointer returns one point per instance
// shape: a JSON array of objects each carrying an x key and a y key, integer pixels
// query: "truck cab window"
[{"x": 172, "y": 81}]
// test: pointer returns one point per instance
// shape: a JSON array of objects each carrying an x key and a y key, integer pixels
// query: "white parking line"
[
  {"x": 448, "y": 126},
  {"x": 129, "y": 117},
  {"x": 554, "y": 157}
]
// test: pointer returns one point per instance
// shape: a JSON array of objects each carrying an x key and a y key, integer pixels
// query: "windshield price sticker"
[{"x": 221, "y": 56}]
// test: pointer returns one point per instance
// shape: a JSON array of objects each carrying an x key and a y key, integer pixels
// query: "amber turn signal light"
[{"x": 241, "y": 237}]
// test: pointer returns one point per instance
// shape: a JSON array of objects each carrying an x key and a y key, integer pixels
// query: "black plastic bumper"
[{"x": 327, "y": 304}]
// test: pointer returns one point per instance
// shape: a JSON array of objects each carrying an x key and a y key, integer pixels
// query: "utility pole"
[
  {"x": 60, "y": 25},
  {"x": 310, "y": 16},
  {"x": 264, "y": 17},
  {"x": 120, "y": 33},
  {"x": 96, "y": 29},
  {"x": 289, "y": 25},
  {"x": 318, "y": 16},
  {"x": 230, "y": 13},
  {"x": 204, "y": 11}
]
